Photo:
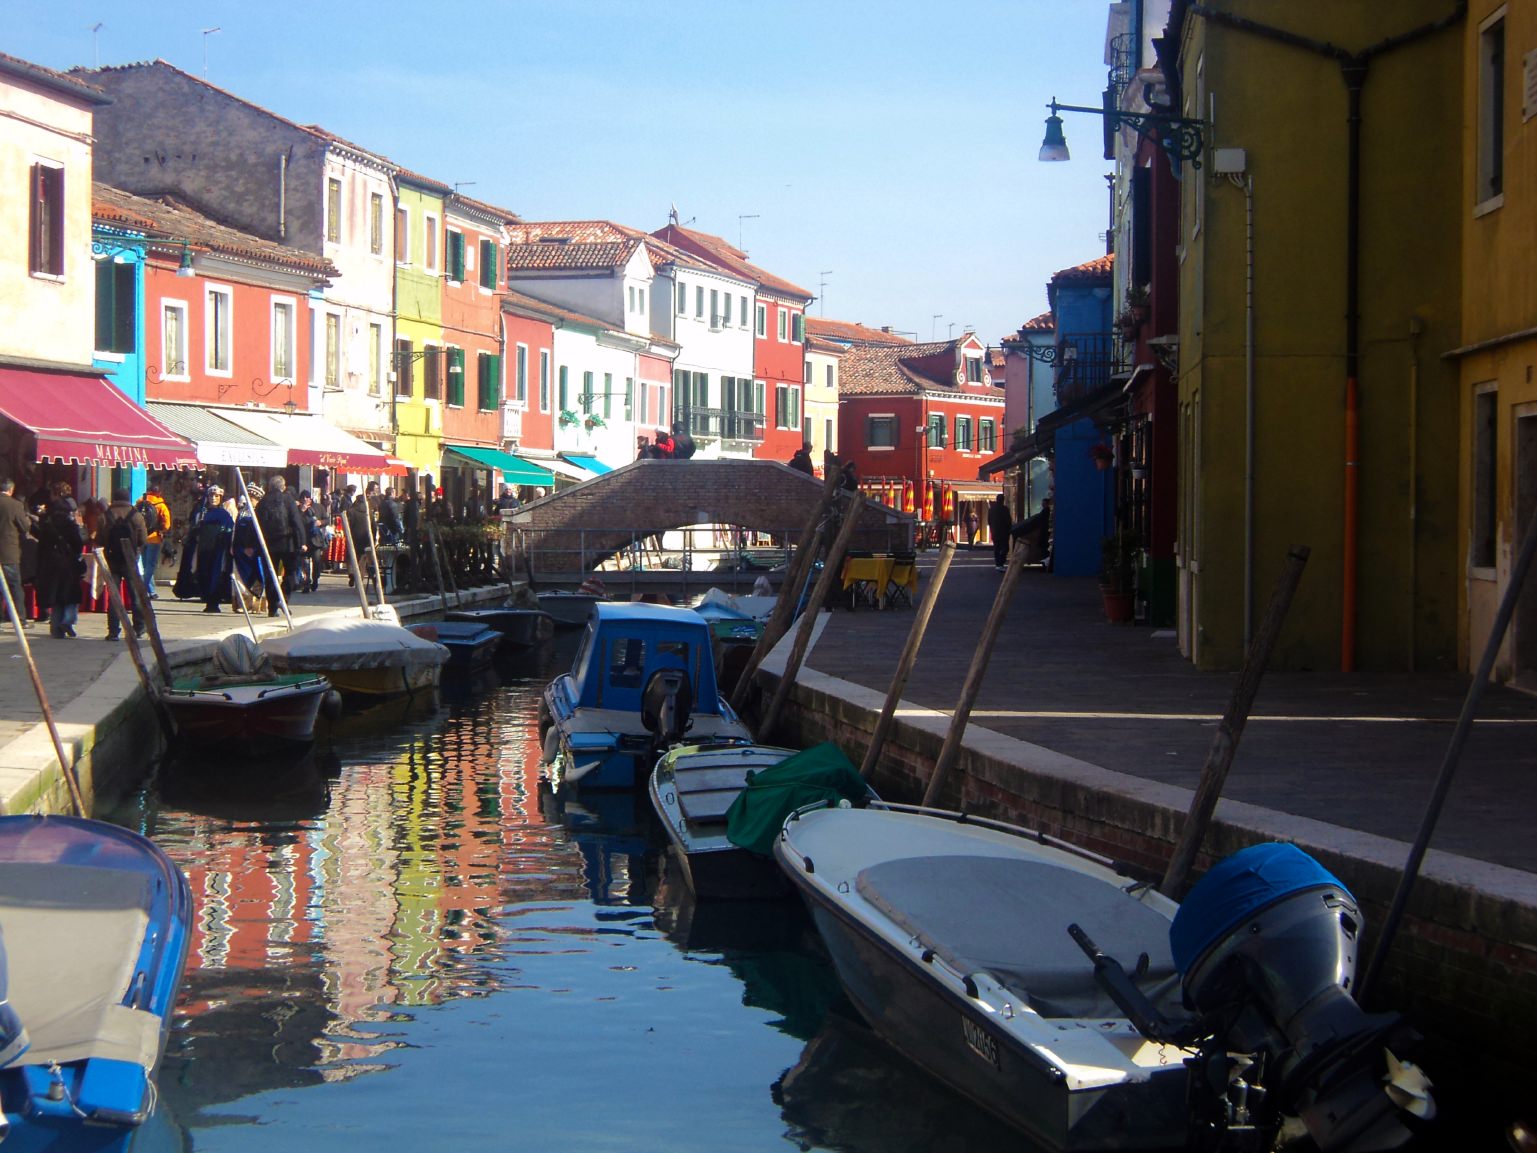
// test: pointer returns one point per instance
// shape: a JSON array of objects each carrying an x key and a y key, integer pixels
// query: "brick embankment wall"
[{"x": 1463, "y": 965}]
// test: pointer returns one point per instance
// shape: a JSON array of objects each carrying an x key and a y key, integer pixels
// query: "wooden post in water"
[
  {"x": 906, "y": 660},
  {"x": 951, "y": 749},
  {"x": 119, "y": 610},
  {"x": 146, "y": 611},
  {"x": 1224, "y": 742},
  {"x": 65, "y": 765},
  {"x": 437, "y": 564},
  {"x": 261, "y": 539},
  {"x": 830, "y": 574},
  {"x": 352, "y": 563},
  {"x": 807, "y": 545},
  {"x": 373, "y": 550}
]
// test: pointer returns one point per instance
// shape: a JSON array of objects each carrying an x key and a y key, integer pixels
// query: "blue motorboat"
[
  {"x": 96, "y": 922},
  {"x": 643, "y": 679}
]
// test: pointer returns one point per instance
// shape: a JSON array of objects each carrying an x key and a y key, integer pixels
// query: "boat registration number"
[{"x": 980, "y": 1041}]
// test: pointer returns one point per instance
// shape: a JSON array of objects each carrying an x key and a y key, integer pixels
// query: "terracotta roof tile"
[
  {"x": 1100, "y": 266},
  {"x": 732, "y": 259},
  {"x": 522, "y": 302},
  {"x": 61, "y": 82},
  {"x": 900, "y": 369},
  {"x": 168, "y": 219},
  {"x": 846, "y": 332},
  {"x": 1046, "y": 322}
]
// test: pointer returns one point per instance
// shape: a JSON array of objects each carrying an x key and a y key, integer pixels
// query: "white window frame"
[
  {"x": 403, "y": 236},
  {"x": 381, "y": 360},
  {"x": 432, "y": 259},
  {"x": 781, "y": 326},
  {"x": 335, "y": 218},
  {"x": 60, "y": 210},
  {"x": 896, "y": 432},
  {"x": 783, "y": 392},
  {"x": 546, "y": 382},
  {"x": 212, "y": 343},
  {"x": 1492, "y": 129},
  {"x": 326, "y": 377},
  {"x": 282, "y": 305},
  {"x": 760, "y": 329},
  {"x": 167, "y": 369},
  {"x": 520, "y": 376},
  {"x": 376, "y": 237}
]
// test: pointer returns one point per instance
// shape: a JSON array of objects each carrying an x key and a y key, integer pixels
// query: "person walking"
[
  {"x": 312, "y": 556},
  {"x": 999, "y": 522},
  {"x": 60, "y": 562},
  {"x": 283, "y": 527},
  {"x": 15, "y": 527},
  {"x": 801, "y": 461},
  {"x": 156, "y": 514},
  {"x": 121, "y": 524},
  {"x": 211, "y": 558},
  {"x": 359, "y": 514}
]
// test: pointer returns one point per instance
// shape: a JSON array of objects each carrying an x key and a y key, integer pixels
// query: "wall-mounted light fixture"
[
  {"x": 186, "y": 270},
  {"x": 1179, "y": 136}
]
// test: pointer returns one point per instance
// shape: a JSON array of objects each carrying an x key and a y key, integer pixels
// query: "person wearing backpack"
[
  {"x": 156, "y": 514},
  {"x": 122, "y": 525}
]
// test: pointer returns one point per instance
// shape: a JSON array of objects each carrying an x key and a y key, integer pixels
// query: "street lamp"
[{"x": 1180, "y": 136}]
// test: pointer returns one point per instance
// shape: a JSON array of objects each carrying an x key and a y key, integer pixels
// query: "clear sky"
[{"x": 880, "y": 155}]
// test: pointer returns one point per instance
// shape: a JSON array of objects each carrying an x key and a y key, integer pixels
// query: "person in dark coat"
[
  {"x": 682, "y": 442},
  {"x": 283, "y": 526},
  {"x": 313, "y": 554},
  {"x": 211, "y": 558},
  {"x": 801, "y": 461},
  {"x": 999, "y": 522},
  {"x": 15, "y": 527},
  {"x": 60, "y": 564},
  {"x": 122, "y": 522},
  {"x": 359, "y": 515}
]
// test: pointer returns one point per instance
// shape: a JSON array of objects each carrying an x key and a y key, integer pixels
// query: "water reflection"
[{"x": 407, "y": 915}]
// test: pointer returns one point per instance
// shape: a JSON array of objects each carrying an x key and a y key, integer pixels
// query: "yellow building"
[
  {"x": 418, "y": 362},
  {"x": 1333, "y": 367},
  {"x": 1497, "y": 380}
]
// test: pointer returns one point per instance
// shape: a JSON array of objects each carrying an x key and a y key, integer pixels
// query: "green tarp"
[{"x": 820, "y": 773}]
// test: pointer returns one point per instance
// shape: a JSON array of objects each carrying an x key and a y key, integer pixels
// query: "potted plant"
[
  {"x": 1102, "y": 455},
  {"x": 1117, "y": 577},
  {"x": 568, "y": 417}
]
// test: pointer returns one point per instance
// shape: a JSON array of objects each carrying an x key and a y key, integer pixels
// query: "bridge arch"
[{"x": 575, "y": 530}]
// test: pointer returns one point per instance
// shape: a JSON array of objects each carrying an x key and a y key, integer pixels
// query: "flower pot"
[
  {"x": 1102, "y": 463},
  {"x": 1118, "y": 606}
]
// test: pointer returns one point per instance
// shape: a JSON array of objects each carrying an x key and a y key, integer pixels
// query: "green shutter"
[{"x": 456, "y": 377}]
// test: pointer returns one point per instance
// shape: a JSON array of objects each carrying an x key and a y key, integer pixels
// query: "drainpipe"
[
  {"x": 283, "y": 196},
  {"x": 1412, "y": 569},
  {"x": 1354, "y": 72},
  {"x": 1249, "y": 420},
  {"x": 1353, "y": 69}
]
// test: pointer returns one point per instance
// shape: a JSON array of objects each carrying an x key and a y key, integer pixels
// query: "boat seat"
[
  {"x": 1009, "y": 917},
  {"x": 72, "y": 941}
]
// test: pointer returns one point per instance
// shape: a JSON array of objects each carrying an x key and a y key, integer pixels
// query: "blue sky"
[{"x": 880, "y": 155}]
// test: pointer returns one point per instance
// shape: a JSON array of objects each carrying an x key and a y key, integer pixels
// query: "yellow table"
[{"x": 866, "y": 577}]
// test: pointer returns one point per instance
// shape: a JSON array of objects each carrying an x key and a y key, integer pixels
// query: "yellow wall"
[
  {"x": 1287, "y": 109},
  {"x": 45, "y": 319},
  {"x": 419, "y": 319},
  {"x": 1499, "y": 301}
]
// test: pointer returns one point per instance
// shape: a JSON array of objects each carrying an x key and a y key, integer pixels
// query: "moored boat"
[
  {"x": 568, "y": 610},
  {"x": 359, "y": 657},
  {"x": 242, "y": 704},
  {"x": 521, "y": 628},
  {"x": 470, "y": 645},
  {"x": 993, "y": 958},
  {"x": 96, "y": 923},
  {"x": 642, "y": 679},
  {"x": 723, "y": 804}
]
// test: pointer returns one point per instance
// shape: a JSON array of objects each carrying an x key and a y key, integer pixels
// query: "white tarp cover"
[{"x": 353, "y": 644}]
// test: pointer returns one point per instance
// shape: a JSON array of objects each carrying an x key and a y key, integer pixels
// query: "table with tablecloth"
[{"x": 876, "y": 579}]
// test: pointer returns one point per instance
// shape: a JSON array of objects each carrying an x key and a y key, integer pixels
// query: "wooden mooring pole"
[
  {"x": 119, "y": 612},
  {"x": 1224, "y": 742},
  {"x": 830, "y": 573},
  {"x": 951, "y": 749},
  {"x": 906, "y": 660},
  {"x": 66, "y": 766}
]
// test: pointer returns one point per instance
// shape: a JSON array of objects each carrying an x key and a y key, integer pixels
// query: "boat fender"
[
  {"x": 13, "y": 1033},
  {"x": 551, "y": 745},
  {"x": 331, "y": 705}
]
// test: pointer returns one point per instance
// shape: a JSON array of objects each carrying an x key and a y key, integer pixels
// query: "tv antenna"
[
  {"x": 96, "y": 47},
  {"x": 207, "y": 32},
  {"x": 739, "y": 219},
  {"x": 822, "y": 290},
  {"x": 934, "y": 325}
]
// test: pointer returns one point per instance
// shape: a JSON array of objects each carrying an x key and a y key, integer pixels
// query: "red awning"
[
  {"x": 83, "y": 419},
  {"x": 311, "y": 440}
]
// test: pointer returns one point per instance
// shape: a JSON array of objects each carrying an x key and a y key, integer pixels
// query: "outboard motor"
[
  {"x": 1266, "y": 944},
  {"x": 13, "y": 1034},
  {"x": 666, "y": 704}
]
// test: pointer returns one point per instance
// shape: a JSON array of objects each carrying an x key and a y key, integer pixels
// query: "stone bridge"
[{"x": 577, "y": 529}]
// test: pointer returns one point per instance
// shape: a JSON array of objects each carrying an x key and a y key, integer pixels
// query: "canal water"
[{"x": 402, "y": 940}]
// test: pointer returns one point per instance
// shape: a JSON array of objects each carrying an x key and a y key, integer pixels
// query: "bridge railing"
[{"x": 697, "y": 557}]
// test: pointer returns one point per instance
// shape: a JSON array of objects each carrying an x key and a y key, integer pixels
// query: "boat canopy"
[{"x": 626, "y": 643}]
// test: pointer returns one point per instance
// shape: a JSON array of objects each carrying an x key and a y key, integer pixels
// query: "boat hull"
[
  {"x": 242, "y": 717},
  {"x": 98, "y": 923},
  {"x": 983, "y": 1039},
  {"x": 520, "y": 628},
  {"x": 568, "y": 610},
  {"x": 385, "y": 680}
]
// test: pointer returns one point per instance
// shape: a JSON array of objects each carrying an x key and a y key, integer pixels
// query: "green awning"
[{"x": 514, "y": 469}]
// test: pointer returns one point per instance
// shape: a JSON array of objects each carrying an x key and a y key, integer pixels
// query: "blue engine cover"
[{"x": 1237, "y": 887}]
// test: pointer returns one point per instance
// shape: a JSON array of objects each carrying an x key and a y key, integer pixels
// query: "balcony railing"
[
  {"x": 744, "y": 426},
  {"x": 1085, "y": 362},
  {"x": 703, "y": 421}
]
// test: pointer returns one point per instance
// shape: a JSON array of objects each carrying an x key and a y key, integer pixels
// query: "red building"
[
  {"x": 917, "y": 421},
  {"x": 528, "y": 332},
  {"x": 779, "y": 339}
]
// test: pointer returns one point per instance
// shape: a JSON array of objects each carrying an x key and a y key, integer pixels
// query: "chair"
[{"x": 904, "y": 580}]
